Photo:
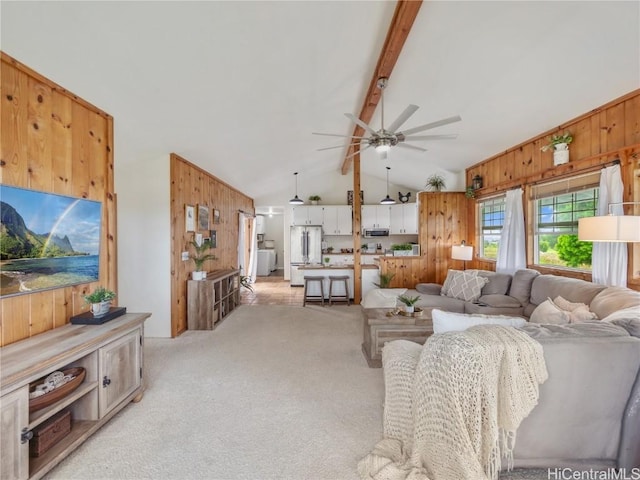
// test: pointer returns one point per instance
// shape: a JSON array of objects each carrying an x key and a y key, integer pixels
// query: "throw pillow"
[
  {"x": 456, "y": 322},
  {"x": 549, "y": 312},
  {"x": 578, "y": 312},
  {"x": 451, "y": 274},
  {"x": 466, "y": 287}
]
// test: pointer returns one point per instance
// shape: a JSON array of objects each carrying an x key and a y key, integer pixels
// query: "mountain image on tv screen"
[{"x": 47, "y": 240}]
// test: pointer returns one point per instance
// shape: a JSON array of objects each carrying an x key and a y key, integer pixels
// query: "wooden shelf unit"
[
  {"x": 210, "y": 300},
  {"x": 111, "y": 354}
]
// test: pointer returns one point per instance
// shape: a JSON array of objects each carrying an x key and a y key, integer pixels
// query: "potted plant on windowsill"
[
  {"x": 409, "y": 302},
  {"x": 200, "y": 257},
  {"x": 314, "y": 199},
  {"x": 100, "y": 300},
  {"x": 560, "y": 145}
]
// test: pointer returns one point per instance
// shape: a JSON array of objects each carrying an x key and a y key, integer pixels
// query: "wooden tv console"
[{"x": 112, "y": 356}]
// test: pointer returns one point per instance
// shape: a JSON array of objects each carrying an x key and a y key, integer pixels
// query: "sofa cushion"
[
  {"x": 455, "y": 322},
  {"x": 521, "y": 285},
  {"x": 428, "y": 302},
  {"x": 498, "y": 283},
  {"x": 549, "y": 313},
  {"x": 429, "y": 288},
  {"x": 467, "y": 287},
  {"x": 612, "y": 299},
  {"x": 478, "y": 309},
  {"x": 631, "y": 325},
  {"x": 578, "y": 312},
  {"x": 573, "y": 289},
  {"x": 499, "y": 301}
]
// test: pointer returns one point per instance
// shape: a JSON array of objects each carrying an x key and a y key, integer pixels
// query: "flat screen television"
[{"x": 47, "y": 241}]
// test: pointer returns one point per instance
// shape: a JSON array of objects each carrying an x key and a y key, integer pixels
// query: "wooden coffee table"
[{"x": 379, "y": 328}]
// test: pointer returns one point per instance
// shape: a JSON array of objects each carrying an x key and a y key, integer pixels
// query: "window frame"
[{"x": 495, "y": 200}]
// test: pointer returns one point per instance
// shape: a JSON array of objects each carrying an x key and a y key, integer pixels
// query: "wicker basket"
[
  {"x": 57, "y": 394},
  {"x": 49, "y": 433}
]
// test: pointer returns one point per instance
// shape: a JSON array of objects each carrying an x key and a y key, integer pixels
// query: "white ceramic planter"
[
  {"x": 99, "y": 309},
  {"x": 560, "y": 154},
  {"x": 198, "y": 275},
  {"x": 409, "y": 309}
]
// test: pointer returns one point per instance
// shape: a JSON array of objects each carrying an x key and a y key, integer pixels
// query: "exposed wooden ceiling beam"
[{"x": 401, "y": 23}]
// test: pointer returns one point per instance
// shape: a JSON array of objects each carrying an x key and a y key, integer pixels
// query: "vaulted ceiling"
[{"x": 238, "y": 87}]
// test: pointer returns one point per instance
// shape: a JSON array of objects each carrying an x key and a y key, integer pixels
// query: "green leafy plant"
[
  {"x": 565, "y": 137},
  {"x": 435, "y": 183},
  {"x": 329, "y": 249},
  {"x": 99, "y": 295},
  {"x": 401, "y": 246},
  {"x": 201, "y": 254},
  {"x": 470, "y": 192},
  {"x": 385, "y": 280},
  {"x": 409, "y": 301},
  {"x": 315, "y": 198}
]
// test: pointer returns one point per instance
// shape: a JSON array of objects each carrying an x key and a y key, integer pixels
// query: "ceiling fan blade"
[
  {"x": 335, "y": 135},
  {"x": 361, "y": 150},
  {"x": 355, "y": 119},
  {"x": 338, "y": 146},
  {"x": 439, "y": 123},
  {"x": 412, "y": 147},
  {"x": 404, "y": 116},
  {"x": 432, "y": 137}
]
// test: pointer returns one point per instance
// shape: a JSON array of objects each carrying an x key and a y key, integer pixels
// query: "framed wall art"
[
  {"x": 350, "y": 197},
  {"x": 189, "y": 218},
  {"x": 203, "y": 217}
]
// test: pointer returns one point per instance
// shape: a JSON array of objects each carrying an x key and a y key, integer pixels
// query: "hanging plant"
[
  {"x": 435, "y": 183},
  {"x": 470, "y": 192}
]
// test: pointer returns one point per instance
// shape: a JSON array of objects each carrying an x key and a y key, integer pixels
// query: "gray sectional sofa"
[{"x": 588, "y": 414}]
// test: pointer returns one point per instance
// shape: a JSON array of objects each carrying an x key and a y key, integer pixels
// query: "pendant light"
[
  {"x": 295, "y": 200},
  {"x": 387, "y": 200}
]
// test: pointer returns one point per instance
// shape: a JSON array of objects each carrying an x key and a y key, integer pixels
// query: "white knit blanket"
[{"x": 462, "y": 405}]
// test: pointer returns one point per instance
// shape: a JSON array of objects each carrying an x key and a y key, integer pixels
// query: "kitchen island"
[{"x": 369, "y": 276}]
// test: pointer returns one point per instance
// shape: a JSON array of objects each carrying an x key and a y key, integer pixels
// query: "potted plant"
[
  {"x": 409, "y": 302},
  {"x": 435, "y": 183},
  {"x": 329, "y": 249},
  {"x": 326, "y": 261},
  {"x": 470, "y": 192},
  {"x": 314, "y": 199},
  {"x": 200, "y": 257},
  {"x": 100, "y": 300},
  {"x": 560, "y": 145},
  {"x": 385, "y": 280},
  {"x": 401, "y": 249}
]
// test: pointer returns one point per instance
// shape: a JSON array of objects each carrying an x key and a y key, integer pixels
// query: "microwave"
[{"x": 375, "y": 232}]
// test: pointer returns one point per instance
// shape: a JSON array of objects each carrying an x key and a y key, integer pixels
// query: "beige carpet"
[{"x": 275, "y": 392}]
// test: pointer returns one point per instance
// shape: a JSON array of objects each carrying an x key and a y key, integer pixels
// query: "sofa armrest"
[
  {"x": 429, "y": 288},
  {"x": 499, "y": 301}
]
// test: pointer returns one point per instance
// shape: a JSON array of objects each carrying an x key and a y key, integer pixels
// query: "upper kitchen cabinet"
[
  {"x": 337, "y": 220},
  {"x": 404, "y": 219},
  {"x": 307, "y": 215},
  {"x": 376, "y": 216}
]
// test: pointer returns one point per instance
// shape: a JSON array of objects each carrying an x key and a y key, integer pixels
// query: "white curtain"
[
  {"x": 609, "y": 259},
  {"x": 253, "y": 257},
  {"x": 512, "y": 247},
  {"x": 245, "y": 222}
]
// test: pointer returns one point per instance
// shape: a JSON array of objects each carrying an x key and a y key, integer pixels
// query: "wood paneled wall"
[
  {"x": 602, "y": 135},
  {"x": 190, "y": 185},
  {"x": 443, "y": 223},
  {"x": 53, "y": 141}
]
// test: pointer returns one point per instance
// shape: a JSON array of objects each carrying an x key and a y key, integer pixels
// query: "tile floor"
[{"x": 272, "y": 290}]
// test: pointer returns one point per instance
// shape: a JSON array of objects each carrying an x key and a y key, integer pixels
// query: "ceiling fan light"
[
  {"x": 383, "y": 147},
  {"x": 387, "y": 201}
]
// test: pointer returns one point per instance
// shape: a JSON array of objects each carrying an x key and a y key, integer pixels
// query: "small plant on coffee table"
[{"x": 409, "y": 302}]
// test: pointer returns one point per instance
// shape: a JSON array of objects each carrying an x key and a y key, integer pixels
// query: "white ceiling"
[{"x": 238, "y": 87}]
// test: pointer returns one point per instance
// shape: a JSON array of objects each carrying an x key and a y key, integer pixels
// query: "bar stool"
[
  {"x": 337, "y": 279},
  {"x": 313, "y": 298}
]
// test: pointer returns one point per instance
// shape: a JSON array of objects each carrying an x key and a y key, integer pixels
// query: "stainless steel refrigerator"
[{"x": 306, "y": 248}]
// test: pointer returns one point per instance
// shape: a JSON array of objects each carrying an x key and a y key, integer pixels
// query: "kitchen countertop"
[{"x": 335, "y": 267}]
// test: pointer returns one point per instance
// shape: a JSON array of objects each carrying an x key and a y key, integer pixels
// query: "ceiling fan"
[{"x": 385, "y": 138}]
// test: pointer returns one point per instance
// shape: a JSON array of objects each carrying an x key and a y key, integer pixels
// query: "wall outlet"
[{"x": 185, "y": 256}]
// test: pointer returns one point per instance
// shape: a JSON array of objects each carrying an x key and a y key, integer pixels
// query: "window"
[
  {"x": 491, "y": 214},
  {"x": 557, "y": 208}
]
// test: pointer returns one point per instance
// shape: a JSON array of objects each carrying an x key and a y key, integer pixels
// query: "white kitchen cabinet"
[
  {"x": 307, "y": 215},
  {"x": 337, "y": 220},
  {"x": 404, "y": 219},
  {"x": 376, "y": 216},
  {"x": 260, "y": 226},
  {"x": 111, "y": 355}
]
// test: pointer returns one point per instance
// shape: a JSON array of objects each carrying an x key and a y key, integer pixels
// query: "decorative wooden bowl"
[{"x": 56, "y": 394}]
